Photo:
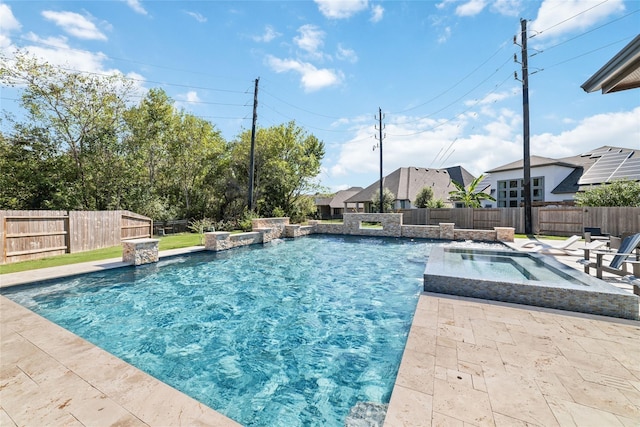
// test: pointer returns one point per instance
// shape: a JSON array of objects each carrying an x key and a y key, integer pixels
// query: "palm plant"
[{"x": 469, "y": 197}]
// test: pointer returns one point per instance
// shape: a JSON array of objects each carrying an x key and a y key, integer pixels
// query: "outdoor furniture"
[
  {"x": 618, "y": 265},
  {"x": 595, "y": 233},
  {"x": 548, "y": 248}
]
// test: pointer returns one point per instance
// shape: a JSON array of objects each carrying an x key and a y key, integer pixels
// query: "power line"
[
  {"x": 454, "y": 85},
  {"x": 590, "y": 31},
  {"x": 588, "y": 53},
  {"x": 58, "y": 47},
  {"x": 568, "y": 19}
]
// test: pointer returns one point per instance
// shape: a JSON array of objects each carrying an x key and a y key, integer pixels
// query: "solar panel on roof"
[
  {"x": 604, "y": 168},
  {"x": 629, "y": 169},
  {"x": 598, "y": 152}
]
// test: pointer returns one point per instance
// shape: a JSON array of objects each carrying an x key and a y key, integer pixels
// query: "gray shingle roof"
[
  {"x": 338, "y": 199},
  {"x": 405, "y": 183}
]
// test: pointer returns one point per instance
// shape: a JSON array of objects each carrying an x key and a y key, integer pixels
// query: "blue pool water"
[{"x": 294, "y": 333}]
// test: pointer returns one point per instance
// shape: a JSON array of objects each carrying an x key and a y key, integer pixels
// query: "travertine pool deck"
[{"x": 467, "y": 363}]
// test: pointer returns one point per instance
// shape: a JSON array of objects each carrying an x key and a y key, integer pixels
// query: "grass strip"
[{"x": 173, "y": 241}]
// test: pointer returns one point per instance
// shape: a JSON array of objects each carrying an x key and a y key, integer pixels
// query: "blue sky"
[{"x": 441, "y": 71}]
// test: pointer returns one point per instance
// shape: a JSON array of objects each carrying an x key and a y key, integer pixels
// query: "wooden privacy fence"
[
  {"x": 553, "y": 221},
  {"x": 30, "y": 235}
]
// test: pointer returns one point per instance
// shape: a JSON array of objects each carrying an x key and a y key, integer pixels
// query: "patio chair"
[
  {"x": 618, "y": 265},
  {"x": 548, "y": 248}
]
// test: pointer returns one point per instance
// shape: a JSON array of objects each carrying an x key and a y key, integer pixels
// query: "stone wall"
[
  {"x": 276, "y": 226},
  {"x": 267, "y": 229},
  {"x": 295, "y": 230},
  {"x": 391, "y": 224},
  {"x": 222, "y": 240},
  {"x": 421, "y": 231},
  {"x": 326, "y": 227},
  {"x": 140, "y": 251}
]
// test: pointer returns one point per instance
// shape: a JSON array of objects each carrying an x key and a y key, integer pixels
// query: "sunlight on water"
[{"x": 293, "y": 333}]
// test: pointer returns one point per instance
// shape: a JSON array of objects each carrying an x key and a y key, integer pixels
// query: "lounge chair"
[
  {"x": 618, "y": 265},
  {"x": 562, "y": 247},
  {"x": 586, "y": 249}
]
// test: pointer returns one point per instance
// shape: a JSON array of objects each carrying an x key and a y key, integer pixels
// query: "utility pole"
[
  {"x": 379, "y": 138},
  {"x": 253, "y": 144},
  {"x": 526, "y": 182}
]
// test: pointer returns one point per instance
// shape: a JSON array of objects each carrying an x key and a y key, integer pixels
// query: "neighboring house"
[
  {"x": 558, "y": 180},
  {"x": 406, "y": 183},
  {"x": 333, "y": 207}
]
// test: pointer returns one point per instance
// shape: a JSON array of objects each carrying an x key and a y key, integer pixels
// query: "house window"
[{"x": 510, "y": 192}]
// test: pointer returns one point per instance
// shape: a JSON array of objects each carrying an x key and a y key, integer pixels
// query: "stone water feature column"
[
  {"x": 504, "y": 234},
  {"x": 140, "y": 251},
  {"x": 446, "y": 231},
  {"x": 217, "y": 240}
]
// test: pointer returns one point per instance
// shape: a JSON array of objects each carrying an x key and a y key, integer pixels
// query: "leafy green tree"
[
  {"x": 622, "y": 192},
  {"x": 287, "y": 162},
  {"x": 423, "y": 197},
  {"x": 193, "y": 152},
  {"x": 470, "y": 197},
  {"x": 31, "y": 171},
  {"x": 150, "y": 127},
  {"x": 387, "y": 201},
  {"x": 436, "y": 204},
  {"x": 82, "y": 116}
]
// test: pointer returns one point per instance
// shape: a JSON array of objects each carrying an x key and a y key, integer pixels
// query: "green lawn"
[{"x": 173, "y": 241}]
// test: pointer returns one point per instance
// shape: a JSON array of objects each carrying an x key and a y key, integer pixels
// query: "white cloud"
[
  {"x": 136, "y": 6},
  {"x": 507, "y": 7},
  {"x": 471, "y": 8},
  {"x": 619, "y": 129},
  {"x": 569, "y": 12},
  {"x": 346, "y": 54},
  {"x": 192, "y": 96},
  {"x": 377, "y": 12},
  {"x": 269, "y": 34},
  {"x": 444, "y": 36},
  {"x": 310, "y": 40},
  {"x": 474, "y": 7},
  {"x": 478, "y": 143},
  {"x": 75, "y": 24},
  {"x": 492, "y": 98},
  {"x": 311, "y": 78},
  {"x": 197, "y": 16},
  {"x": 9, "y": 24},
  {"x": 341, "y": 9}
]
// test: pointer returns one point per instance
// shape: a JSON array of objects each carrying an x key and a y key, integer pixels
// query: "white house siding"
[{"x": 553, "y": 176}]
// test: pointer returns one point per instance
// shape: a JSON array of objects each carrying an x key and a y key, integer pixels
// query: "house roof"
[
  {"x": 405, "y": 183},
  {"x": 622, "y": 72},
  {"x": 536, "y": 161},
  {"x": 338, "y": 199},
  {"x": 602, "y": 165}
]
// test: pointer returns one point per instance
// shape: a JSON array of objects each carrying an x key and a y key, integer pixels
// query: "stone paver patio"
[{"x": 467, "y": 363}]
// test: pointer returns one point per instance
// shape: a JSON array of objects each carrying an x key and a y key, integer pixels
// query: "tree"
[
  {"x": 387, "y": 201},
  {"x": 82, "y": 115},
  {"x": 436, "y": 204},
  {"x": 287, "y": 161},
  {"x": 470, "y": 197},
  {"x": 622, "y": 192},
  {"x": 193, "y": 153},
  {"x": 423, "y": 197}
]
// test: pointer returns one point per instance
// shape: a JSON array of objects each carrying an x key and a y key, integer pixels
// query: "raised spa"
[{"x": 524, "y": 278}]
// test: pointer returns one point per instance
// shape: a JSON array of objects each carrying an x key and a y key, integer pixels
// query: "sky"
[{"x": 445, "y": 74}]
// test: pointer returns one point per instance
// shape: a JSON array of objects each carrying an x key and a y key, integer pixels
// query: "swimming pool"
[
  {"x": 294, "y": 333},
  {"x": 524, "y": 278}
]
